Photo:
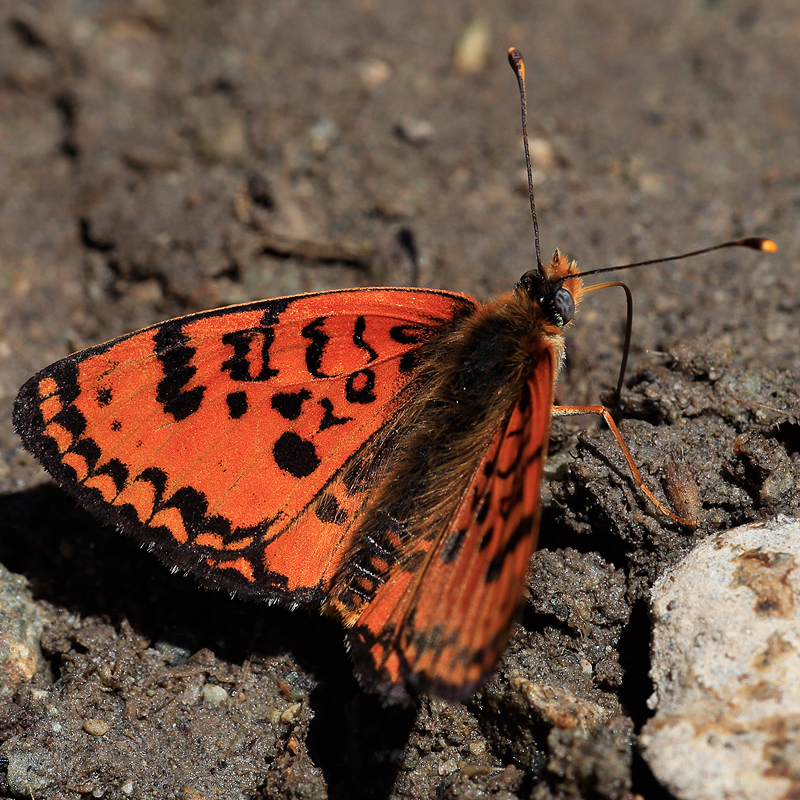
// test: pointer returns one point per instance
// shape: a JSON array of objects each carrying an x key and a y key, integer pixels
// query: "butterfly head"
[{"x": 556, "y": 290}]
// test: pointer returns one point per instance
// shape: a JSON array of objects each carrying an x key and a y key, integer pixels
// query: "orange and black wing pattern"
[
  {"x": 222, "y": 439},
  {"x": 441, "y": 620}
]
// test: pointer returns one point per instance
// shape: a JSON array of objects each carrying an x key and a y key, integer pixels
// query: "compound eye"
[{"x": 564, "y": 304}]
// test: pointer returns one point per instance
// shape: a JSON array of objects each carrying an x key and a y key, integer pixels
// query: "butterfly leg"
[{"x": 571, "y": 411}]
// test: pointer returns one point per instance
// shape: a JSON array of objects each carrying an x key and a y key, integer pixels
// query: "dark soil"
[{"x": 158, "y": 158}]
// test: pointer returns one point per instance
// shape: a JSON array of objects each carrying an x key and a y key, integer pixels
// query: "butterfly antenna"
[
  {"x": 518, "y": 65},
  {"x": 753, "y": 242}
]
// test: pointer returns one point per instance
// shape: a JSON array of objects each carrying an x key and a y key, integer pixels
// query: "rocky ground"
[{"x": 158, "y": 158}]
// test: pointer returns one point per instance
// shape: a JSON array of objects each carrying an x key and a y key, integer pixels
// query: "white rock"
[
  {"x": 726, "y": 668},
  {"x": 21, "y": 624},
  {"x": 213, "y": 694}
]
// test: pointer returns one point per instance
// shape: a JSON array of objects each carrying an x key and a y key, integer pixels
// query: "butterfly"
[{"x": 377, "y": 453}]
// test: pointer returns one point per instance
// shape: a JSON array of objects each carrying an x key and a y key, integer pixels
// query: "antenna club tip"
[
  {"x": 757, "y": 243},
  {"x": 515, "y": 59}
]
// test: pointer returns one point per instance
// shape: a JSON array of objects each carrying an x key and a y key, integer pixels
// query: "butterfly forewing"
[
  {"x": 441, "y": 620},
  {"x": 222, "y": 438}
]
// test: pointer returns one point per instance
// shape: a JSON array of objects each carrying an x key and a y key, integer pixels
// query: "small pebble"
[
  {"x": 472, "y": 50},
  {"x": 375, "y": 72},
  {"x": 291, "y": 712},
  {"x": 448, "y": 767},
  {"x": 214, "y": 694},
  {"x": 321, "y": 135},
  {"x": 542, "y": 153},
  {"x": 96, "y": 727},
  {"x": 477, "y": 748},
  {"x": 414, "y": 131}
]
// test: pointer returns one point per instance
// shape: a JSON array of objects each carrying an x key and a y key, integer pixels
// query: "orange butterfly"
[{"x": 375, "y": 452}]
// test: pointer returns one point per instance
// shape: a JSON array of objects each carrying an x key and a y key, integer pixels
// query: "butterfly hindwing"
[
  {"x": 440, "y": 624},
  {"x": 222, "y": 439}
]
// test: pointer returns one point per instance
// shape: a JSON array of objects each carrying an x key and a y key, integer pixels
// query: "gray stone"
[
  {"x": 726, "y": 668},
  {"x": 20, "y": 630}
]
